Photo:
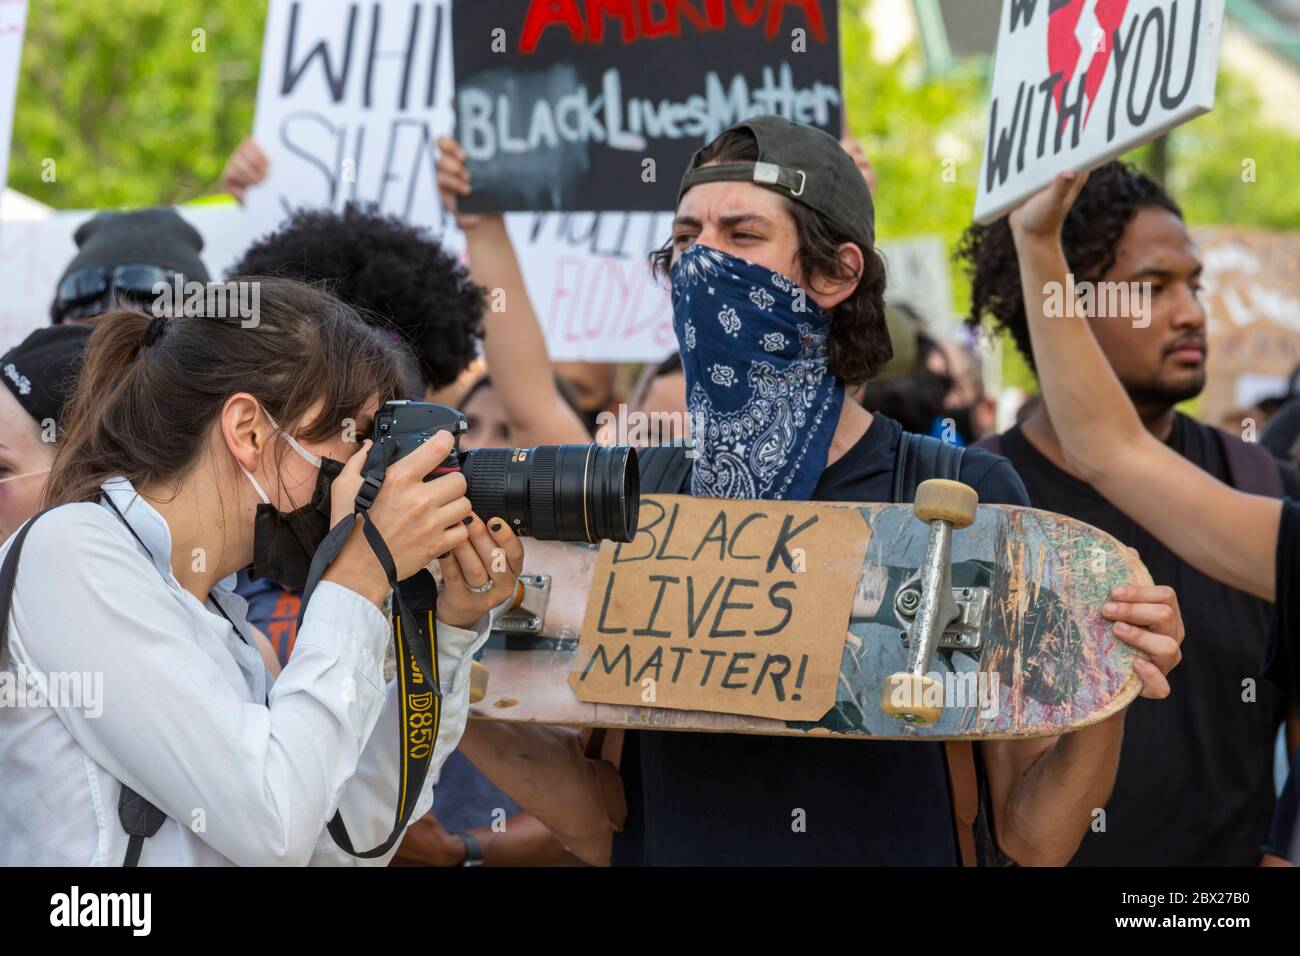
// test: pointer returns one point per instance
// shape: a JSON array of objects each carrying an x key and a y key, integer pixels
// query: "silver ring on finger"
[{"x": 481, "y": 589}]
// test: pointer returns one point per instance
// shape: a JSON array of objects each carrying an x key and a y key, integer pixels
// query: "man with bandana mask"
[{"x": 778, "y": 306}]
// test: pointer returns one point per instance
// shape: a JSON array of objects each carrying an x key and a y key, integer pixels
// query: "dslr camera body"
[{"x": 550, "y": 492}]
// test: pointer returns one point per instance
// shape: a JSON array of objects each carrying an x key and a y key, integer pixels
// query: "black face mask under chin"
[{"x": 284, "y": 543}]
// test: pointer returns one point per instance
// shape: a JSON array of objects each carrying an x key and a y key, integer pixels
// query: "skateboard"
[{"x": 1003, "y": 601}]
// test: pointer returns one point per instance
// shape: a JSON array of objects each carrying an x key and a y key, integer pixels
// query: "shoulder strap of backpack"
[
  {"x": 140, "y": 818},
  {"x": 665, "y": 469},
  {"x": 920, "y": 458},
  {"x": 1251, "y": 467}
]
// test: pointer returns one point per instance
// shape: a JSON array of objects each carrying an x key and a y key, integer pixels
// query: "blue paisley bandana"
[{"x": 762, "y": 402}]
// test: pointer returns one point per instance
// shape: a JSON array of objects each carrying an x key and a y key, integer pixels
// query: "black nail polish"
[
  {"x": 469, "y": 519},
  {"x": 496, "y": 525}
]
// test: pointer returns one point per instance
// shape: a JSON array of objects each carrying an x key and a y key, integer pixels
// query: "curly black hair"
[
  {"x": 396, "y": 276},
  {"x": 1113, "y": 195},
  {"x": 859, "y": 345}
]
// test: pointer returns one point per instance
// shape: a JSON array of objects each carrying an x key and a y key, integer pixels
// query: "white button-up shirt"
[{"x": 181, "y": 714}]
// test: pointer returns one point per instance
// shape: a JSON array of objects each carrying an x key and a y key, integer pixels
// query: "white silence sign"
[
  {"x": 1078, "y": 82},
  {"x": 351, "y": 100},
  {"x": 13, "y": 18}
]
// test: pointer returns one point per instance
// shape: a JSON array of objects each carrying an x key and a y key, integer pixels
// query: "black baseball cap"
[
  {"x": 803, "y": 163},
  {"x": 42, "y": 371}
]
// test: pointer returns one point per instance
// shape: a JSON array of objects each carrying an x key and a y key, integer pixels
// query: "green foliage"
[
  {"x": 116, "y": 95},
  {"x": 1208, "y": 171},
  {"x": 923, "y": 136}
]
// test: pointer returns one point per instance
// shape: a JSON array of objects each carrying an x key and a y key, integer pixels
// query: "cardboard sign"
[
  {"x": 13, "y": 20},
  {"x": 594, "y": 105},
  {"x": 1078, "y": 82},
  {"x": 737, "y": 607},
  {"x": 1252, "y": 296}
]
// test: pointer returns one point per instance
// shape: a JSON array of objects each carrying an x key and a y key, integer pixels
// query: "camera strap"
[{"x": 413, "y": 615}]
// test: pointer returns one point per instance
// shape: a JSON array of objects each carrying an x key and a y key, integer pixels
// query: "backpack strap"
[
  {"x": 920, "y": 458},
  {"x": 140, "y": 818},
  {"x": 1251, "y": 467}
]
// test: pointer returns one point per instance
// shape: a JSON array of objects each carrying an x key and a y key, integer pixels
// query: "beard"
[{"x": 1165, "y": 390}]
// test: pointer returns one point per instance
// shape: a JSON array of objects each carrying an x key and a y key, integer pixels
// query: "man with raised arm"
[{"x": 1195, "y": 784}]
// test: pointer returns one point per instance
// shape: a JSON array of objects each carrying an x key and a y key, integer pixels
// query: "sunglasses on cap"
[{"x": 89, "y": 291}]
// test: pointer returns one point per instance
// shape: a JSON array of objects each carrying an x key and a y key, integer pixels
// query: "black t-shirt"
[
  {"x": 1283, "y": 661},
  {"x": 1283, "y": 430},
  {"x": 1283, "y": 668},
  {"x": 735, "y": 799},
  {"x": 1195, "y": 784}
]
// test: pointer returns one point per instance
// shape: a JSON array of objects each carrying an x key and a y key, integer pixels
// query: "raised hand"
[
  {"x": 454, "y": 182},
  {"x": 1042, "y": 214}
]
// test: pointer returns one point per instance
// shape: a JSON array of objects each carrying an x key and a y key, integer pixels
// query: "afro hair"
[
  {"x": 1112, "y": 196},
  {"x": 396, "y": 276}
]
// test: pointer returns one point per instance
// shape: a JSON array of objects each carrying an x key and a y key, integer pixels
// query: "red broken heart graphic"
[{"x": 1064, "y": 52}]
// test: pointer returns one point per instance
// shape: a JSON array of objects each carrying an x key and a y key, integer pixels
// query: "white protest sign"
[
  {"x": 13, "y": 19},
  {"x": 588, "y": 276},
  {"x": 1078, "y": 82},
  {"x": 351, "y": 101}
]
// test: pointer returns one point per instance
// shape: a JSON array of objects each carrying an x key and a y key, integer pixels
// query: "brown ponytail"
[{"x": 150, "y": 389}]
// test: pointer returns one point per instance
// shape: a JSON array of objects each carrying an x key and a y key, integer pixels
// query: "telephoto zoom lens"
[{"x": 557, "y": 492}]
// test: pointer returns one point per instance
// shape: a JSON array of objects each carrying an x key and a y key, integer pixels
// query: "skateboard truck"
[
  {"x": 527, "y": 609},
  {"x": 966, "y": 633},
  {"x": 913, "y": 696}
]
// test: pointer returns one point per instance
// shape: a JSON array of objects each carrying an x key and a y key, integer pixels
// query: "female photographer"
[{"x": 194, "y": 447}]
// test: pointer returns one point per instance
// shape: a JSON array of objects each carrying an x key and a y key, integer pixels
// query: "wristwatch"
[{"x": 473, "y": 851}]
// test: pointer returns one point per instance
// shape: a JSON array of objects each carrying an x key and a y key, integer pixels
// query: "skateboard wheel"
[
  {"x": 949, "y": 501},
  {"x": 913, "y": 698},
  {"x": 478, "y": 682}
]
